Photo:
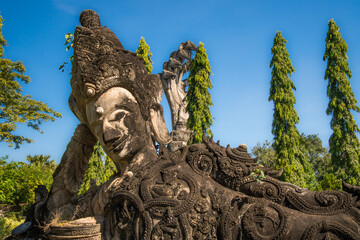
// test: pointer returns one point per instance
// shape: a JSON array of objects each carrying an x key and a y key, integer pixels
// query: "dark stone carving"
[
  {"x": 266, "y": 221},
  {"x": 201, "y": 161},
  {"x": 36, "y": 210},
  {"x": 184, "y": 200},
  {"x": 329, "y": 230},
  {"x": 321, "y": 203},
  {"x": 33, "y": 224},
  {"x": 202, "y": 191},
  {"x": 85, "y": 228}
]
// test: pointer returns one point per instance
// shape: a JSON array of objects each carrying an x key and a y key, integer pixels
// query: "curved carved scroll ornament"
[
  {"x": 169, "y": 188},
  {"x": 269, "y": 188},
  {"x": 354, "y": 191},
  {"x": 201, "y": 160},
  {"x": 320, "y": 203},
  {"x": 329, "y": 230},
  {"x": 265, "y": 222}
]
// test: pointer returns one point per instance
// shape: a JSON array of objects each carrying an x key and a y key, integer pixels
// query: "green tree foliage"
[
  {"x": 7, "y": 224},
  {"x": 317, "y": 166},
  {"x": 319, "y": 158},
  {"x": 110, "y": 168},
  {"x": 41, "y": 160},
  {"x": 69, "y": 42},
  {"x": 18, "y": 180},
  {"x": 265, "y": 154},
  {"x": 143, "y": 51},
  {"x": 198, "y": 97},
  {"x": 100, "y": 169},
  {"x": 286, "y": 136},
  {"x": 330, "y": 182},
  {"x": 14, "y": 107},
  {"x": 344, "y": 144}
]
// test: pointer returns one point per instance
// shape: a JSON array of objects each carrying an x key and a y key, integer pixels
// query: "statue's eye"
[{"x": 116, "y": 116}]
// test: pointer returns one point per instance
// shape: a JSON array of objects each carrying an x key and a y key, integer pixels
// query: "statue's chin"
[
  {"x": 119, "y": 156},
  {"x": 123, "y": 154}
]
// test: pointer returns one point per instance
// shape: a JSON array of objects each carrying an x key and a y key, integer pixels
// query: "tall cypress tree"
[
  {"x": 198, "y": 96},
  {"x": 343, "y": 143},
  {"x": 286, "y": 136},
  {"x": 143, "y": 51}
]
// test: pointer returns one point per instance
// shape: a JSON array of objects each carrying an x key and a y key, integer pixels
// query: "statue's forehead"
[
  {"x": 115, "y": 96},
  {"x": 109, "y": 101}
]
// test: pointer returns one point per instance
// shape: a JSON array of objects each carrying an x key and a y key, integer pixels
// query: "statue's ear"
[
  {"x": 160, "y": 132},
  {"x": 74, "y": 108}
]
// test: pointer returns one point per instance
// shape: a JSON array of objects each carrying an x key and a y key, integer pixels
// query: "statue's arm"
[{"x": 70, "y": 172}]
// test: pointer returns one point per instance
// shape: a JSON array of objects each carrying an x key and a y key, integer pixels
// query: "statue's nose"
[{"x": 111, "y": 135}]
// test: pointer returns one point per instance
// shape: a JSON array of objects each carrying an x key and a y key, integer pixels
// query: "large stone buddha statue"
[{"x": 202, "y": 191}]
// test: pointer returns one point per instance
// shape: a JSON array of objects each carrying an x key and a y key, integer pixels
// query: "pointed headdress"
[{"x": 100, "y": 63}]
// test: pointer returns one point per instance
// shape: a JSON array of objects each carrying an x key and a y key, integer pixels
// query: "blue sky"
[{"x": 238, "y": 36}]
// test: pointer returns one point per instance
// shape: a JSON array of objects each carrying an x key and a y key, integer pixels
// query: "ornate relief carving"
[
  {"x": 204, "y": 217},
  {"x": 127, "y": 218},
  {"x": 329, "y": 230},
  {"x": 169, "y": 188},
  {"x": 200, "y": 160},
  {"x": 265, "y": 221},
  {"x": 320, "y": 203},
  {"x": 269, "y": 188}
]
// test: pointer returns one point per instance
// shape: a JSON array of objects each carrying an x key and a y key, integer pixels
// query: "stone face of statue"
[{"x": 116, "y": 121}]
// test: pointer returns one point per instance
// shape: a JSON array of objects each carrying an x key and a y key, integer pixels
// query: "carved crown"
[{"x": 101, "y": 62}]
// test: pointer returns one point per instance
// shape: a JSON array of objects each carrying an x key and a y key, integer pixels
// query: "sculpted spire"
[{"x": 90, "y": 19}]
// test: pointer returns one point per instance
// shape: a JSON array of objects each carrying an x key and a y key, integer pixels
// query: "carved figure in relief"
[{"x": 202, "y": 191}]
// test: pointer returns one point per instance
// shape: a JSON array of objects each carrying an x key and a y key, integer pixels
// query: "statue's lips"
[{"x": 119, "y": 143}]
